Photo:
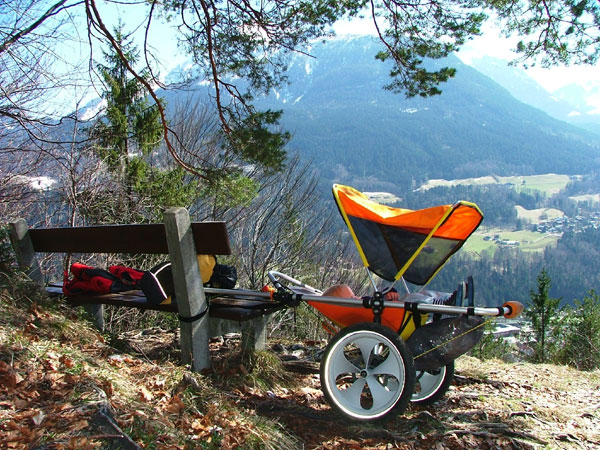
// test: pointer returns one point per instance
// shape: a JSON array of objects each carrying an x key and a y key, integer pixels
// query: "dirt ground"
[{"x": 65, "y": 386}]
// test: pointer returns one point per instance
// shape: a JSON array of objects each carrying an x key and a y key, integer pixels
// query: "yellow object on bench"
[{"x": 206, "y": 264}]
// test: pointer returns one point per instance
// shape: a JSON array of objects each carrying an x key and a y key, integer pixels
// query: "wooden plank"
[
  {"x": 26, "y": 257},
  {"x": 239, "y": 313},
  {"x": 240, "y": 309},
  {"x": 211, "y": 238},
  {"x": 236, "y": 309}
]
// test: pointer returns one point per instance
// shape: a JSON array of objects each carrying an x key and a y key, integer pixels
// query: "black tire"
[
  {"x": 435, "y": 384},
  {"x": 367, "y": 372}
]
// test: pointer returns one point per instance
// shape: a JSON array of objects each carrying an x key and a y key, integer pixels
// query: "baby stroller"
[{"x": 389, "y": 353}]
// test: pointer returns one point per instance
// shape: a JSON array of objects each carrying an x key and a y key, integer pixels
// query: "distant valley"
[{"x": 548, "y": 184}]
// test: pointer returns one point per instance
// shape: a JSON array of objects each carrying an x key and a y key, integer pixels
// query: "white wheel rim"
[
  {"x": 428, "y": 384},
  {"x": 369, "y": 385}
]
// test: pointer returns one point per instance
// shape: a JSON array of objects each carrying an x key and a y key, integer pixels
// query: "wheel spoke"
[
  {"x": 381, "y": 395},
  {"x": 352, "y": 394},
  {"x": 366, "y": 345},
  {"x": 428, "y": 382},
  {"x": 341, "y": 365},
  {"x": 387, "y": 367}
]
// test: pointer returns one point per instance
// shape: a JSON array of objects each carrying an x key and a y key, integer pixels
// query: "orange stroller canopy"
[{"x": 397, "y": 242}]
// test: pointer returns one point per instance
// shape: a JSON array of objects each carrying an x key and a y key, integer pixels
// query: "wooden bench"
[{"x": 182, "y": 241}]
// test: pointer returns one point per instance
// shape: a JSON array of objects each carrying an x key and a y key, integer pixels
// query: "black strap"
[
  {"x": 196, "y": 317},
  {"x": 415, "y": 315},
  {"x": 405, "y": 322},
  {"x": 417, "y": 319}
]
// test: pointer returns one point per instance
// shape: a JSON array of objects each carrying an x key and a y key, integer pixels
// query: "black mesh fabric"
[{"x": 388, "y": 248}]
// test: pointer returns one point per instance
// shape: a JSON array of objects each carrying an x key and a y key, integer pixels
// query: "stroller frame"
[{"x": 368, "y": 370}]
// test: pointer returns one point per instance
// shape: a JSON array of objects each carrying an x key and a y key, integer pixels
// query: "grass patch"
[
  {"x": 529, "y": 241},
  {"x": 538, "y": 215},
  {"x": 548, "y": 184}
]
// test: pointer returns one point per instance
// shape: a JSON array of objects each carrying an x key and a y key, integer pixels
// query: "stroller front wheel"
[{"x": 367, "y": 372}]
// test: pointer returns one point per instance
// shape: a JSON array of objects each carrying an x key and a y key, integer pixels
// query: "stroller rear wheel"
[
  {"x": 367, "y": 372},
  {"x": 430, "y": 386}
]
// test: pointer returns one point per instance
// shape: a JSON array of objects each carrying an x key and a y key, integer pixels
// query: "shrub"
[{"x": 581, "y": 345}]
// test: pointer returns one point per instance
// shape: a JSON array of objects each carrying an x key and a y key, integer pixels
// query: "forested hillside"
[
  {"x": 567, "y": 104},
  {"x": 356, "y": 133}
]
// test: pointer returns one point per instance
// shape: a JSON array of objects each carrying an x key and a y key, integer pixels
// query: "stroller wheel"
[
  {"x": 430, "y": 386},
  {"x": 367, "y": 372}
]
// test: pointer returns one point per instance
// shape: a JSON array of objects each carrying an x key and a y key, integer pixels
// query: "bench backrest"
[{"x": 210, "y": 238}]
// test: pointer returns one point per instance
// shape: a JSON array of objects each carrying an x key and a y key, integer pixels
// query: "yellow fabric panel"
[
  {"x": 206, "y": 264},
  {"x": 410, "y": 328}
]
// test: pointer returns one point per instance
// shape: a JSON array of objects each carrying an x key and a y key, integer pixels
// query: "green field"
[
  {"x": 536, "y": 215},
  {"x": 548, "y": 184},
  {"x": 529, "y": 241}
]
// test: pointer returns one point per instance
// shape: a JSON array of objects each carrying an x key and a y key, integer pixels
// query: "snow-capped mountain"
[{"x": 576, "y": 103}]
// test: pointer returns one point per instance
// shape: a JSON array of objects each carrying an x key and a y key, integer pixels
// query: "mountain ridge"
[
  {"x": 339, "y": 113},
  {"x": 569, "y": 103}
]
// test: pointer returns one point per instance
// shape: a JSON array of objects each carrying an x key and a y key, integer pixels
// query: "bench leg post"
[
  {"x": 21, "y": 242},
  {"x": 254, "y": 335},
  {"x": 24, "y": 251},
  {"x": 189, "y": 292},
  {"x": 96, "y": 313}
]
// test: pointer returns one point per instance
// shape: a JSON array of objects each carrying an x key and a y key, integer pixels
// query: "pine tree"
[
  {"x": 131, "y": 125},
  {"x": 125, "y": 139},
  {"x": 542, "y": 312}
]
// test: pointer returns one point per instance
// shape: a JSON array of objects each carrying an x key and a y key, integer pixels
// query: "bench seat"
[{"x": 237, "y": 309}]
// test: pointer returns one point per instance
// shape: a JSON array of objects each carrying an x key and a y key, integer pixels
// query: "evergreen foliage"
[
  {"x": 543, "y": 314},
  {"x": 580, "y": 346},
  {"x": 491, "y": 346},
  {"x": 125, "y": 139},
  {"x": 6, "y": 253},
  {"x": 131, "y": 124}
]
